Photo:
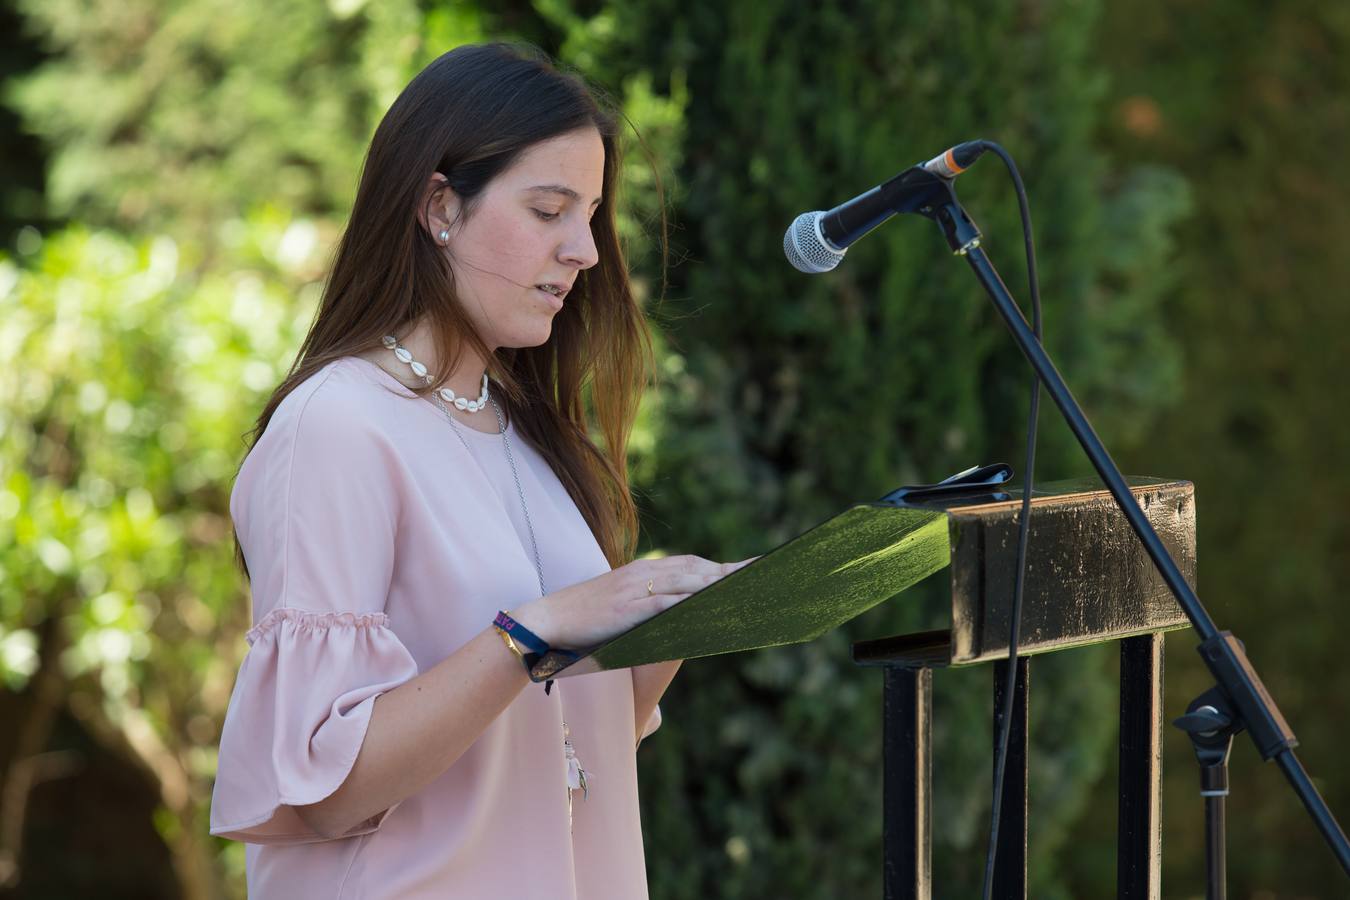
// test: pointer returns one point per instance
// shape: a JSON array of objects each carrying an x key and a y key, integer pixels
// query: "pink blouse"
[{"x": 377, "y": 545}]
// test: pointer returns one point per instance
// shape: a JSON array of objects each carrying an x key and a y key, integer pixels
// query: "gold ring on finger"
[{"x": 650, "y": 585}]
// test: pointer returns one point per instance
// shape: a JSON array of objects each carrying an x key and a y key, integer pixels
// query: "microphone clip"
[{"x": 920, "y": 190}]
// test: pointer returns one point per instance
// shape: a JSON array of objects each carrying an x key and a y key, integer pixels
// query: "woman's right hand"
[{"x": 589, "y": 613}]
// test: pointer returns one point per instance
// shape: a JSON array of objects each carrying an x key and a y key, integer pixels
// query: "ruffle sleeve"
[
  {"x": 297, "y": 718},
  {"x": 316, "y": 508}
]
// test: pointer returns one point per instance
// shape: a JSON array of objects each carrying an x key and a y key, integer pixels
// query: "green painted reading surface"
[{"x": 796, "y": 593}]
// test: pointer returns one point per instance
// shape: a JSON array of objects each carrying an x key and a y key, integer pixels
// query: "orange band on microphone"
[{"x": 950, "y": 159}]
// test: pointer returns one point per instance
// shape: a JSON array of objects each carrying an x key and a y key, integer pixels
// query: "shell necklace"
[{"x": 576, "y": 775}]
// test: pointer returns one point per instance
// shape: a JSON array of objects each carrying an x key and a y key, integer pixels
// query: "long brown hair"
[{"x": 469, "y": 115}]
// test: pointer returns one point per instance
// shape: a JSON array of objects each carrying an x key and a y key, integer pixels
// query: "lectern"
[{"x": 1088, "y": 580}]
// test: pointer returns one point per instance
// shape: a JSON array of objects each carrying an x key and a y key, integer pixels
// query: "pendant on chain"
[{"x": 576, "y": 775}]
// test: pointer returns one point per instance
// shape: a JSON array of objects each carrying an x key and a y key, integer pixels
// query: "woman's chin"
[{"x": 535, "y": 338}]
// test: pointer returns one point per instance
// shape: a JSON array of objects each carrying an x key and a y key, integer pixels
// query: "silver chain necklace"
[
  {"x": 576, "y": 775},
  {"x": 506, "y": 440}
]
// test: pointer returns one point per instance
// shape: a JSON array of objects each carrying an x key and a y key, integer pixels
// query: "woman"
[{"x": 425, "y": 470}]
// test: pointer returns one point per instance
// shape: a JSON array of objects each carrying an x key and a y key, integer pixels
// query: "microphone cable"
[{"x": 1024, "y": 524}]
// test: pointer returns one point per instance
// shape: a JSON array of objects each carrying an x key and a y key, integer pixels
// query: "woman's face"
[{"x": 530, "y": 227}]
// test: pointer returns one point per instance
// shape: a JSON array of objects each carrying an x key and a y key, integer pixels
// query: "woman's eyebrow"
[{"x": 560, "y": 189}]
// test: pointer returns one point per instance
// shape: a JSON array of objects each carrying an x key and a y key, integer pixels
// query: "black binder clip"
[{"x": 977, "y": 482}]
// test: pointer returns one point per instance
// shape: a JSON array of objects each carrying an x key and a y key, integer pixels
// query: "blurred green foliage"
[
  {"x": 128, "y": 374},
  {"x": 204, "y": 155},
  {"x": 1251, "y": 100},
  {"x": 165, "y": 117}
]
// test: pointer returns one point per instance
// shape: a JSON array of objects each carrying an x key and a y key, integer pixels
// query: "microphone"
[{"x": 817, "y": 241}]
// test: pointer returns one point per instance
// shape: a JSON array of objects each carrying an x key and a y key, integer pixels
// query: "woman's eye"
[{"x": 546, "y": 216}]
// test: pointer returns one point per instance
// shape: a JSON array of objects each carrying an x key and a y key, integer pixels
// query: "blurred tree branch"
[{"x": 30, "y": 765}]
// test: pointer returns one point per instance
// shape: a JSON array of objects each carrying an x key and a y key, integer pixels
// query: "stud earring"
[{"x": 444, "y": 236}]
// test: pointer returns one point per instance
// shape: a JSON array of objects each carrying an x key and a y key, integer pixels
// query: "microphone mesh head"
[{"x": 806, "y": 248}]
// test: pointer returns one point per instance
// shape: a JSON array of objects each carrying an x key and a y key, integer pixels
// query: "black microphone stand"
[
  {"x": 1239, "y": 692},
  {"x": 1211, "y": 728}
]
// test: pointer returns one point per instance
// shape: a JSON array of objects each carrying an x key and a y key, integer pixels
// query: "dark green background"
[{"x": 1183, "y": 163}]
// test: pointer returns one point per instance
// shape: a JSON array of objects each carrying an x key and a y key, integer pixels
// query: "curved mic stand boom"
[{"x": 1238, "y": 686}]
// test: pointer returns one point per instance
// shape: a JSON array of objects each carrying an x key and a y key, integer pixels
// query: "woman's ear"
[{"x": 439, "y": 209}]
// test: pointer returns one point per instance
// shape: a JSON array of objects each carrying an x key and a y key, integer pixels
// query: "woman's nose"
[{"x": 579, "y": 250}]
